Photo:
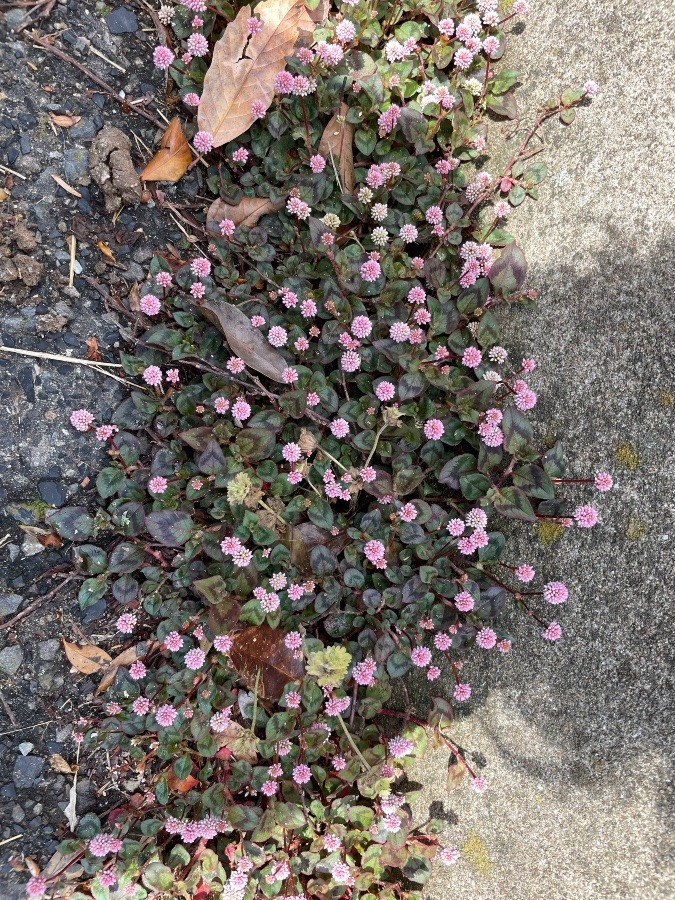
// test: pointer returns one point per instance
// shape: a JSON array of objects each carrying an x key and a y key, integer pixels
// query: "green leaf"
[
  {"x": 488, "y": 330},
  {"x": 534, "y": 481},
  {"x": 398, "y": 664},
  {"x": 474, "y": 486},
  {"x": 554, "y": 461},
  {"x": 256, "y": 443},
  {"x": 513, "y": 502},
  {"x": 320, "y": 513},
  {"x": 91, "y": 591},
  {"x": 126, "y": 557},
  {"x": 158, "y": 877},
  {"x": 288, "y": 815},
  {"x": 212, "y": 460},
  {"x": 417, "y": 869},
  {"x": 517, "y": 431},
  {"x": 503, "y": 81},
  {"x": 455, "y": 467},
  {"x": 72, "y": 522},
  {"x": 179, "y": 856},
  {"x": 171, "y": 527},
  {"x": 322, "y": 561},
  {"x": 109, "y": 481},
  {"x": 509, "y": 271},
  {"x": 502, "y": 105}
]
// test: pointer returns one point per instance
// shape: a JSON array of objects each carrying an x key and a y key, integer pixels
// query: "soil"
[{"x": 44, "y": 462}]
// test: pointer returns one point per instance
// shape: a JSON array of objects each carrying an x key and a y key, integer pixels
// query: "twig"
[
  {"x": 71, "y": 273},
  {"x": 34, "y": 605},
  {"x": 45, "y": 45},
  {"x": 105, "y": 58},
  {"x": 15, "y": 837},
  {"x": 26, "y": 727},
  {"x": 8, "y": 709},
  {"x": 12, "y": 172}
]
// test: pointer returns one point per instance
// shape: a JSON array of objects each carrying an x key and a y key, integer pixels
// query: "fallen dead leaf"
[
  {"x": 32, "y": 543},
  {"x": 135, "y": 298},
  {"x": 241, "y": 743},
  {"x": 32, "y": 866},
  {"x": 182, "y": 785},
  {"x": 172, "y": 159},
  {"x": 126, "y": 658},
  {"x": 87, "y": 659},
  {"x": 66, "y": 187},
  {"x": 70, "y": 811},
  {"x": 243, "y": 68},
  {"x": 64, "y": 121},
  {"x": 3, "y": 195},
  {"x": 93, "y": 352},
  {"x": 105, "y": 250},
  {"x": 62, "y": 862},
  {"x": 246, "y": 212},
  {"x": 262, "y": 649},
  {"x": 245, "y": 341},
  {"x": 59, "y": 764},
  {"x": 50, "y": 541},
  {"x": 336, "y": 142}
]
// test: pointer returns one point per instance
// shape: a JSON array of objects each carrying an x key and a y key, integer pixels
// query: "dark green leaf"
[{"x": 170, "y": 527}]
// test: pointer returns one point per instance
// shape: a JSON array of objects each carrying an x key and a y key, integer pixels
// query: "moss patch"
[
  {"x": 635, "y": 529},
  {"x": 627, "y": 456},
  {"x": 474, "y": 851},
  {"x": 666, "y": 398},
  {"x": 549, "y": 532}
]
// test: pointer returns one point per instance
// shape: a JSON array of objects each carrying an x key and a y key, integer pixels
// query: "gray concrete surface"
[{"x": 576, "y": 738}]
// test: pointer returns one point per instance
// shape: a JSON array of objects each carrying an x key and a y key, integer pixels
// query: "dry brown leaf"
[
  {"x": 337, "y": 142},
  {"x": 262, "y": 649},
  {"x": 3, "y": 195},
  {"x": 105, "y": 250},
  {"x": 245, "y": 341},
  {"x": 126, "y": 658},
  {"x": 59, "y": 764},
  {"x": 241, "y": 743},
  {"x": 62, "y": 863},
  {"x": 50, "y": 541},
  {"x": 64, "y": 121},
  {"x": 70, "y": 812},
  {"x": 244, "y": 67},
  {"x": 247, "y": 212},
  {"x": 182, "y": 785},
  {"x": 87, "y": 659},
  {"x": 93, "y": 352},
  {"x": 172, "y": 159},
  {"x": 32, "y": 866},
  {"x": 135, "y": 298}
]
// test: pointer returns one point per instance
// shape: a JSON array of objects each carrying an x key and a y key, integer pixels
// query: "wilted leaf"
[
  {"x": 241, "y": 743},
  {"x": 245, "y": 341},
  {"x": 92, "y": 348},
  {"x": 70, "y": 812},
  {"x": 172, "y": 159},
  {"x": 64, "y": 121},
  {"x": 61, "y": 863},
  {"x": 300, "y": 539},
  {"x": 182, "y": 785},
  {"x": 59, "y": 764},
  {"x": 246, "y": 212},
  {"x": 456, "y": 772},
  {"x": 105, "y": 250},
  {"x": 87, "y": 659},
  {"x": 337, "y": 141},
  {"x": 243, "y": 68},
  {"x": 262, "y": 648}
]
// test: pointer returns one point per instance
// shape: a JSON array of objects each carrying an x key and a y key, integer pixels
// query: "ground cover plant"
[{"x": 305, "y": 490}]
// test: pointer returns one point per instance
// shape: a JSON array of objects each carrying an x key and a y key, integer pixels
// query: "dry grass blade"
[
  {"x": 337, "y": 142},
  {"x": 172, "y": 159},
  {"x": 243, "y": 68},
  {"x": 246, "y": 212},
  {"x": 66, "y": 187}
]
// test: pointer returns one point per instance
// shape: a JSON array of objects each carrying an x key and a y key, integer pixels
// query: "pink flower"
[
  {"x": 254, "y": 25},
  {"x": 240, "y": 155},
  {"x": 36, "y": 887},
  {"x": 586, "y": 516},
  {"x": 200, "y": 267},
  {"x": 525, "y": 399},
  {"x": 434, "y": 215},
  {"x": 555, "y": 592},
  {"x": 385, "y": 391},
  {"x": 140, "y": 706},
  {"x": 152, "y": 375},
  {"x": 173, "y": 376},
  {"x": 399, "y": 747},
  {"x": 399, "y": 332},
  {"x": 341, "y": 873},
  {"x": 173, "y": 641},
  {"x": 126, "y": 623},
  {"x": 195, "y": 659},
  {"x": 191, "y": 99},
  {"x": 203, "y": 141},
  {"x": 105, "y": 432},
  {"x": 408, "y": 513},
  {"x": 367, "y": 474},
  {"x": 462, "y": 692},
  {"x": 464, "y": 601},
  {"x": 241, "y": 410},
  {"x": 370, "y": 270},
  {"x": 421, "y": 657},
  {"x": 81, "y": 419},
  {"x": 331, "y": 842},
  {"x": 591, "y": 88},
  {"x": 486, "y": 638},
  {"x": 501, "y": 209},
  {"x": 361, "y": 326},
  {"x": 603, "y": 482},
  {"x": 528, "y": 364},
  {"x": 520, "y": 7},
  {"x": 293, "y": 640},
  {"x": 150, "y": 304},
  {"x": 157, "y": 485},
  {"x": 449, "y": 856},
  {"x": 301, "y": 774},
  {"x": 197, "y": 290},
  {"x": 433, "y": 672},
  {"x": 350, "y": 361},
  {"x": 472, "y": 357},
  {"x": 339, "y": 428},
  {"x": 317, "y": 163},
  {"x": 283, "y": 83},
  {"x": 277, "y": 336},
  {"x": 258, "y": 109},
  {"x": 479, "y": 784},
  {"x": 476, "y": 518},
  {"x": 364, "y": 672},
  {"x": 442, "y": 641},
  {"x": 374, "y": 551},
  {"x": 455, "y": 527},
  {"x": 434, "y": 429},
  {"x": 525, "y": 573},
  {"x": 504, "y": 646},
  {"x": 226, "y": 227},
  {"x": 137, "y": 671},
  {"x": 293, "y": 700},
  {"x": 219, "y": 721},
  {"x": 162, "y": 57},
  {"x": 166, "y": 715},
  {"x": 553, "y": 632},
  {"x": 408, "y": 234},
  {"x": 345, "y": 31},
  {"x": 222, "y": 643},
  {"x": 269, "y": 788},
  {"x": 197, "y": 45},
  {"x": 463, "y": 58},
  {"x": 107, "y": 878}
]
